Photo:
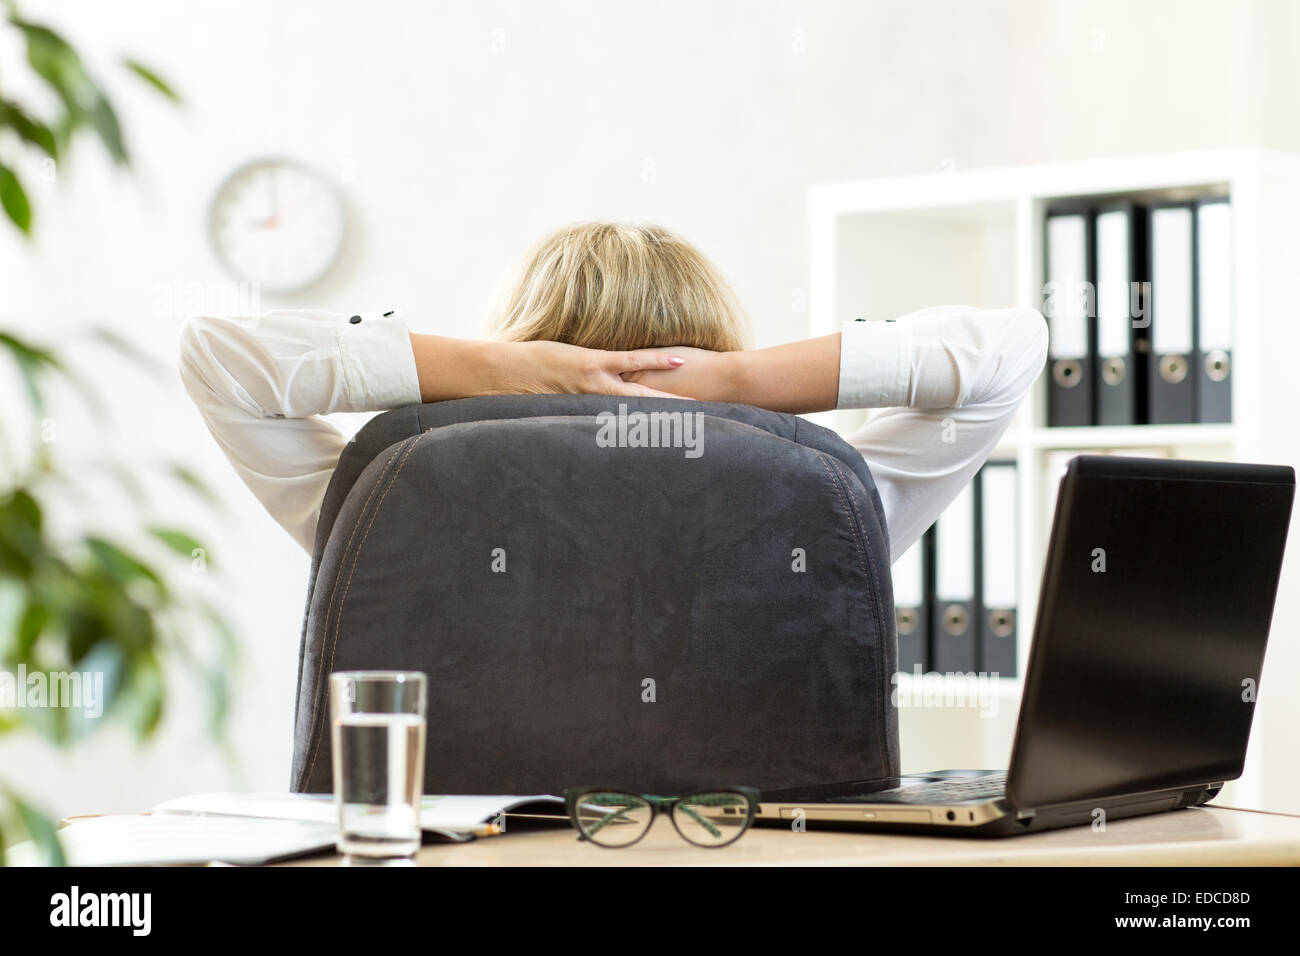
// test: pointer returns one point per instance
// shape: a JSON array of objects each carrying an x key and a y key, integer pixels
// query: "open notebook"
[{"x": 251, "y": 828}]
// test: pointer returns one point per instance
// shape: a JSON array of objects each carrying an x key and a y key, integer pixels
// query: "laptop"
[{"x": 1153, "y": 617}]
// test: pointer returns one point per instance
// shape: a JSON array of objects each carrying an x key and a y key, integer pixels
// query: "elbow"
[
  {"x": 1023, "y": 349},
  {"x": 1033, "y": 329},
  {"x": 194, "y": 344},
  {"x": 199, "y": 334},
  {"x": 1031, "y": 333},
  {"x": 203, "y": 344}
]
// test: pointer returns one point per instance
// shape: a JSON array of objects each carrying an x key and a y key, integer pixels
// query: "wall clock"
[{"x": 277, "y": 223}]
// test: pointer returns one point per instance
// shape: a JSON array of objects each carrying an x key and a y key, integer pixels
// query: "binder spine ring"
[
  {"x": 955, "y": 620},
  {"x": 907, "y": 620},
  {"x": 1217, "y": 365},
  {"x": 1067, "y": 373},
  {"x": 1002, "y": 623},
  {"x": 1173, "y": 368},
  {"x": 1114, "y": 370}
]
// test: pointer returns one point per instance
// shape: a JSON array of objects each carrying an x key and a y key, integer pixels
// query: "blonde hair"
[{"x": 615, "y": 286}]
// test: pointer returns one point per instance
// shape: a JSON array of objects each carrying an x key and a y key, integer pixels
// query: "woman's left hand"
[
  {"x": 705, "y": 376},
  {"x": 542, "y": 367}
]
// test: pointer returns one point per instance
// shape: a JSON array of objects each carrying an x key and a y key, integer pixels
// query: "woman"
[{"x": 619, "y": 310}]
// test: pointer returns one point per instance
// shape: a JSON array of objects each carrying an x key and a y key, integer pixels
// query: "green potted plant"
[{"x": 81, "y": 603}]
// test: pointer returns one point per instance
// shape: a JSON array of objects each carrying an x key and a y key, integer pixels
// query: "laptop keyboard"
[{"x": 955, "y": 790}]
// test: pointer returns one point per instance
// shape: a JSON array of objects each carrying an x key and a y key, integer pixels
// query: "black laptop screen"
[{"x": 1152, "y": 623}]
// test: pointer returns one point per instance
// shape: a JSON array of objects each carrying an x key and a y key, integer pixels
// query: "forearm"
[
  {"x": 935, "y": 358},
  {"x": 799, "y": 377},
  {"x": 454, "y": 368}
]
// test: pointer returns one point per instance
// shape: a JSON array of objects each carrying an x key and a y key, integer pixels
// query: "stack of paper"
[
  {"x": 251, "y": 828},
  {"x": 446, "y": 814},
  {"x": 142, "y": 839}
]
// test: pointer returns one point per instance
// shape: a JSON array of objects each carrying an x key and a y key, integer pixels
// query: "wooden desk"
[{"x": 1201, "y": 836}]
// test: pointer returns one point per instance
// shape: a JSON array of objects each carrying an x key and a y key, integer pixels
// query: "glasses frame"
[{"x": 660, "y": 805}]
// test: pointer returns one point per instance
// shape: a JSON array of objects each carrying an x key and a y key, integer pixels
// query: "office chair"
[{"x": 592, "y": 609}]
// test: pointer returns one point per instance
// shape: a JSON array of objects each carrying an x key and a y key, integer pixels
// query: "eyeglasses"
[{"x": 615, "y": 818}]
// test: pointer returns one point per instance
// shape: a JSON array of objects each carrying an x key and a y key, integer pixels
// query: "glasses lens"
[
  {"x": 711, "y": 819},
  {"x": 612, "y": 819}
]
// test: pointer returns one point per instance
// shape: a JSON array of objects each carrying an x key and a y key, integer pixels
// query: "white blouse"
[{"x": 948, "y": 378}]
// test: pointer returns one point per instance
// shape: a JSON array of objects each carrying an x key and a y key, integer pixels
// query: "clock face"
[{"x": 277, "y": 223}]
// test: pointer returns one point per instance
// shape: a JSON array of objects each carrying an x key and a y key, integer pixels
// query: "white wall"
[{"x": 461, "y": 131}]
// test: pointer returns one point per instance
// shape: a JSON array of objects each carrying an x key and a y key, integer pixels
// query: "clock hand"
[{"x": 273, "y": 220}]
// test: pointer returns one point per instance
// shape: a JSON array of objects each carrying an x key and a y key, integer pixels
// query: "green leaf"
[
  {"x": 21, "y": 545},
  {"x": 120, "y": 565},
  {"x": 26, "y": 352},
  {"x": 14, "y": 595},
  {"x": 33, "y": 362},
  {"x": 43, "y": 35},
  {"x": 108, "y": 659},
  {"x": 178, "y": 541},
  {"x": 127, "y": 349},
  {"x": 152, "y": 78},
  {"x": 57, "y": 63},
  {"x": 64, "y": 127},
  {"x": 14, "y": 199},
  {"x": 145, "y": 696},
  {"x": 218, "y": 699},
  {"x": 42, "y": 832},
  {"x": 190, "y": 478},
  {"x": 104, "y": 119},
  {"x": 32, "y": 130},
  {"x": 26, "y": 508},
  {"x": 30, "y": 627}
]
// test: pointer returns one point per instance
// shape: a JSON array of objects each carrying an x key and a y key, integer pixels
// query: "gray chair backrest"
[{"x": 657, "y": 618}]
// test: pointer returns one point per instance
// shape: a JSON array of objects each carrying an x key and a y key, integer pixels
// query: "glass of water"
[{"x": 378, "y": 739}]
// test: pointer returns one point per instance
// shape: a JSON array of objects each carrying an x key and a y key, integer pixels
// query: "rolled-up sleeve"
[
  {"x": 875, "y": 364},
  {"x": 949, "y": 380},
  {"x": 261, "y": 384}
]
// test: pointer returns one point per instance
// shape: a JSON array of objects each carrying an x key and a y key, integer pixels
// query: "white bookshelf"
[{"x": 883, "y": 247}]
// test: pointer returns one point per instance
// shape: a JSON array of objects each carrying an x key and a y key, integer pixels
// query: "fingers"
[
  {"x": 631, "y": 388},
  {"x": 619, "y": 362}
]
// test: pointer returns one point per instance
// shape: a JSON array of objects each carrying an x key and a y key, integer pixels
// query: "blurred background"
[{"x": 456, "y": 133}]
